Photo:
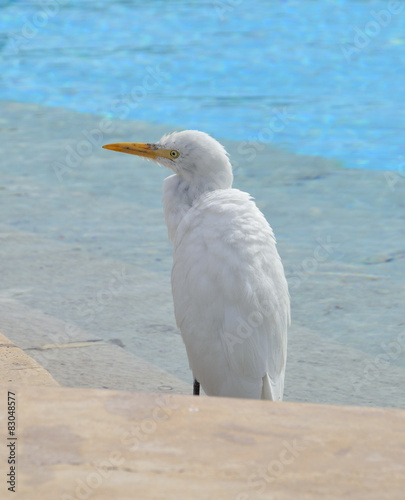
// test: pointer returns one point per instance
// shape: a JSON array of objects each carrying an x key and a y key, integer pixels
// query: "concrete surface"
[
  {"x": 16, "y": 367},
  {"x": 86, "y": 443}
]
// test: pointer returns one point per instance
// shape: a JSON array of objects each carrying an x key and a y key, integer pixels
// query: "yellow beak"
[{"x": 137, "y": 148}]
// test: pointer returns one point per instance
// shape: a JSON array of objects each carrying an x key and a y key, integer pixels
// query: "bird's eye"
[{"x": 174, "y": 153}]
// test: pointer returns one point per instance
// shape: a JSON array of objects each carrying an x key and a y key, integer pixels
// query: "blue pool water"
[{"x": 320, "y": 78}]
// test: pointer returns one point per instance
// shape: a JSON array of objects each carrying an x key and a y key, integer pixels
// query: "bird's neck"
[{"x": 178, "y": 197}]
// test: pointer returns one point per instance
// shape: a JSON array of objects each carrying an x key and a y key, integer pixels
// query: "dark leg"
[{"x": 196, "y": 388}]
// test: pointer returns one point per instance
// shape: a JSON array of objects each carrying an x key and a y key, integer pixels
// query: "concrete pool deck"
[
  {"x": 87, "y": 443},
  {"x": 86, "y": 263},
  {"x": 91, "y": 443}
]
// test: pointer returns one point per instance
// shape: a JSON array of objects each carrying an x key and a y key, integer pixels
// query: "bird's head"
[{"x": 197, "y": 157}]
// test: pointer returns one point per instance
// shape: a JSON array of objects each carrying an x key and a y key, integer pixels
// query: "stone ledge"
[
  {"x": 17, "y": 367},
  {"x": 86, "y": 443}
]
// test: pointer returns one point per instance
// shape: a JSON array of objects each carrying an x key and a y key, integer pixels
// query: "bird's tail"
[{"x": 271, "y": 391}]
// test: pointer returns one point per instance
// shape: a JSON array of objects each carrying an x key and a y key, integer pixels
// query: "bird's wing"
[{"x": 229, "y": 289}]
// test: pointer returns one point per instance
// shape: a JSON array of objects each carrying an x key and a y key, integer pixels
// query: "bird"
[{"x": 230, "y": 293}]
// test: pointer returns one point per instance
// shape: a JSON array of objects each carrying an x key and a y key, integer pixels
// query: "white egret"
[{"x": 230, "y": 293}]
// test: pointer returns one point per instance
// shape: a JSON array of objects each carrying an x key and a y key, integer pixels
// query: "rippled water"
[{"x": 321, "y": 78}]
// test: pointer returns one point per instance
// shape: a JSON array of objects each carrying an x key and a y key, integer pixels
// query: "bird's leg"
[{"x": 196, "y": 388}]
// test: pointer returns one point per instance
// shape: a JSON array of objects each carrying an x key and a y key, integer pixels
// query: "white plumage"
[{"x": 230, "y": 294}]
